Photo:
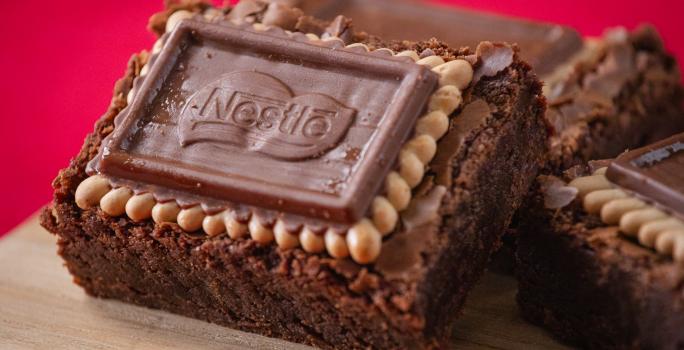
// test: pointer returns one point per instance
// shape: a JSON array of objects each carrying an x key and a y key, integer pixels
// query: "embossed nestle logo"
[{"x": 258, "y": 112}]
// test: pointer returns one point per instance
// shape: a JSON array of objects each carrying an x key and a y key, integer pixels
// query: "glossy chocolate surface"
[
  {"x": 655, "y": 172},
  {"x": 543, "y": 45},
  {"x": 264, "y": 119}
]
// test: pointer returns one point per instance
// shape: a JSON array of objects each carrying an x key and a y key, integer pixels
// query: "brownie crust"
[{"x": 314, "y": 299}]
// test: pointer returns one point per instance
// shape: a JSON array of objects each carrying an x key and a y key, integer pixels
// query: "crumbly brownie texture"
[
  {"x": 589, "y": 283},
  {"x": 406, "y": 299}
]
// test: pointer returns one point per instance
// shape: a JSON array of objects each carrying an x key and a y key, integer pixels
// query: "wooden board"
[{"x": 41, "y": 309}]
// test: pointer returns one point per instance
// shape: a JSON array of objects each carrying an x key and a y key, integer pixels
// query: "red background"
[{"x": 60, "y": 60}]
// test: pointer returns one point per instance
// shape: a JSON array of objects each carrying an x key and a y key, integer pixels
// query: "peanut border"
[{"x": 652, "y": 227}]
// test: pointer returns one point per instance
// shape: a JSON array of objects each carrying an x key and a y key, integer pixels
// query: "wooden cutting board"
[{"x": 41, "y": 309}]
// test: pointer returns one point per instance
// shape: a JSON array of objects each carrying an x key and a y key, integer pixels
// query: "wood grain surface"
[{"x": 40, "y": 308}]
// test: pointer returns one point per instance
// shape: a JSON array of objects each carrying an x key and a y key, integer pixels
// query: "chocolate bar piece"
[
  {"x": 605, "y": 95},
  {"x": 267, "y": 107},
  {"x": 280, "y": 174},
  {"x": 655, "y": 172},
  {"x": 601, "y": 255}
]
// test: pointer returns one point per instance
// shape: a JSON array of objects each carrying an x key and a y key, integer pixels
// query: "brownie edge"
[{"x": 310, "y": 298}]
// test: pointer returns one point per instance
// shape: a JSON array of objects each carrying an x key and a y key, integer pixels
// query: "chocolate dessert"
[
  {"x": 289, "y": 176},
  {"x": 601, "y": 255}
]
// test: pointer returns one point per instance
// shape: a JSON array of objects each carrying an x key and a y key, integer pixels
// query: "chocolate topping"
[
  {"x": 423, "y": 210},
  {"x": 340, "y": 27},
  {"x": 262, "y": 119},
  {"x": 495, "y": 58},
  {"x": 402, "y": 251},
  {"x": 282, "y": 16},
  {"x": 545, "y": 46},
  {"x": 472, "y": 118},
  {"x": 556, "y": 194},
  {"x": 655, "y": 172},
  {"x": 245, "y": 9},
  {"x": 607, "y": 82}
]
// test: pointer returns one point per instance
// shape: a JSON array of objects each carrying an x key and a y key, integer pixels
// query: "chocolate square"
[
  {"x": 654, "y": 172},
  {"x": 268, "y": 120}
]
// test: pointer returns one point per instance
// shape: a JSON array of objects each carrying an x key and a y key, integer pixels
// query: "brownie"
[
  {"x": 601, "y": 257},
  {"x": 625, "y": 92},
  {"x": 605, "y": 94},
  {"x": 127, "y": 210}
]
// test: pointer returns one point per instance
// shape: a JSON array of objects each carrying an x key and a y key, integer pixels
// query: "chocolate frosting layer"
[
  {"x": 401, "y": 253},
  {"x": 654, "y": 172},
  {"x": 472, "y": 118},
  {"x": 544, "y": 46},
  {"x": 264, "y": 119},
  {"x": 556, "y": 192}
]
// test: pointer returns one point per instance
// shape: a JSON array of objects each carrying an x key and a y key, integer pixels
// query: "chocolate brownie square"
[
  {"x": 284, "y": 175},
  {"x": 601, "y": 255}
]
